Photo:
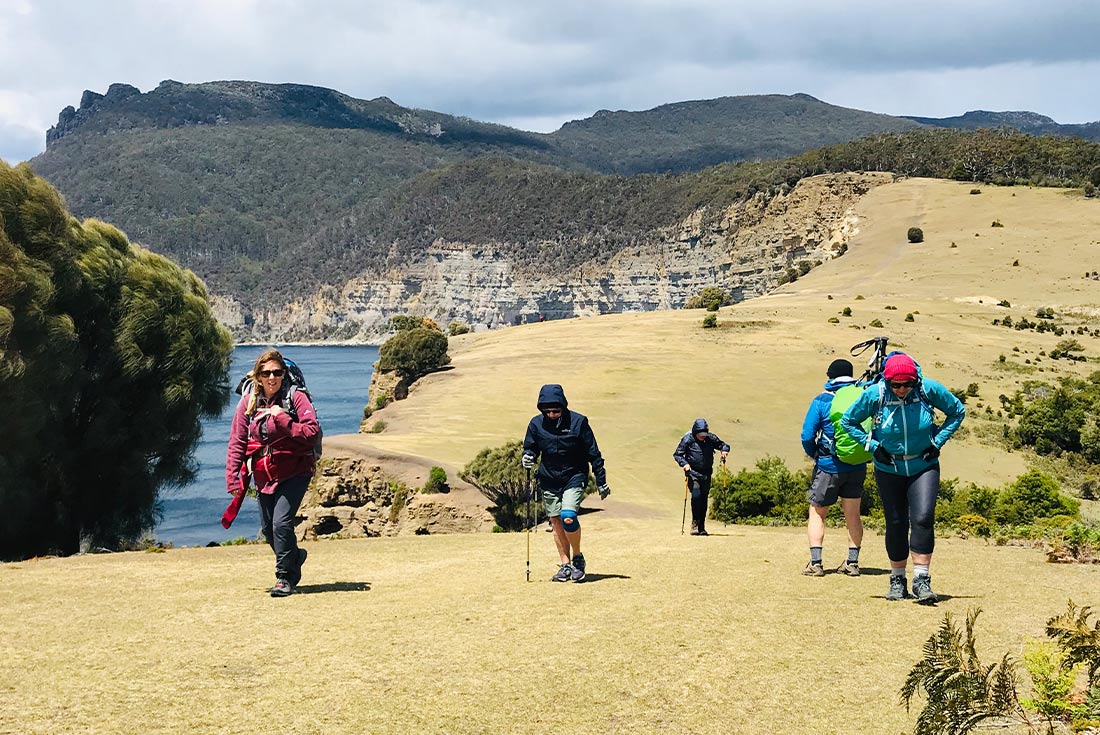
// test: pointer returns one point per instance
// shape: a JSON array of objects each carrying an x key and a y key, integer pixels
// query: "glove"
[
  {"x": 528, "y": 460},
  {"x": 604, "y": 491},
  {"x": 930, "y": 454},
  {"x": 881, "y": 455}
]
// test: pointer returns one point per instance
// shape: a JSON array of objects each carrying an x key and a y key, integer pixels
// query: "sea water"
[{"x": 337, "y": 377}]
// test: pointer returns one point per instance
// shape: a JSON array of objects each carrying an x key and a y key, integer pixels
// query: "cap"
[{"x": 838, "y": 368}]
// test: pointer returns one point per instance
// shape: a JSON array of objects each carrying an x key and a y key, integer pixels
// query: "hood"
[
  {"x": 552, "y": 394},
  {"x": 835, "y": 384},
  {"x": 699, "y": 427}
]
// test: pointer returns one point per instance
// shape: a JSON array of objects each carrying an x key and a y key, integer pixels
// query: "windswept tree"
[{"x": 109, "y": 357}]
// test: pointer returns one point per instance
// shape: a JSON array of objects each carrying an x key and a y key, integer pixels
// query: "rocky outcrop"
[
  {"x": 748, "y": 249},
  {"x": 355, "y": 497}
]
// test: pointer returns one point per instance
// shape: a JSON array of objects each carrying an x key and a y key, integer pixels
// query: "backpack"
[
  {"x": 845, "y": 447},
  {"x": 295, "y": 381}
]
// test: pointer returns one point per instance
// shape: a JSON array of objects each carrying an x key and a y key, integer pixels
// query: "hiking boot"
[
  {"x": 814, "y": 569},
  {"x": 577, "y": 574},
  {"x": 850, "y": 568},
  {"x": 564, "y": 574},
  {"x": 897, "y": 588},
  {"x": 296, "y": 576},
  {"x": 702, "y": 532},
  {"x": 282, "y": 588},
  {"x": 922, "y": 590},
  {"x": 694, "y": 528}
]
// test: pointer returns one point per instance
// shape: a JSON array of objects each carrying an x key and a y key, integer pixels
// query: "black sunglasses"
[
  {"x": 271, "y": 373},
  {"x": 902, "y": 383}
]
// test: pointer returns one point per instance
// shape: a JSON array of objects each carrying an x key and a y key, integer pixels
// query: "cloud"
[{"x": 547, "y": 62}]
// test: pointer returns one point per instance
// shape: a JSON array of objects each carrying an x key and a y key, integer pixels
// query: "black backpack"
[{"x": 295, "y": 381}]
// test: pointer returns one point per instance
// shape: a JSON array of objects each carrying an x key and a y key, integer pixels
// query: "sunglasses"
[
  {"x": 902, "y": 383},
  {"x": 271, "y": 373}
]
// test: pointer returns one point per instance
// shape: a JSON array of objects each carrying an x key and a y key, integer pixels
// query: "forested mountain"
[
  {"x": 1026, "y": 122},
  {"x": 276, "y": 192}
]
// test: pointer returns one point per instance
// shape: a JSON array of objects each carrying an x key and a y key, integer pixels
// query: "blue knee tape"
[{"x": 569, "y": 520}]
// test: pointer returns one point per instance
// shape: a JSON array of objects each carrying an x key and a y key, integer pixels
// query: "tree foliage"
[
  {"x": 498, "y": 473},
  {"x": 710, "y": 298},
  {"x": 414, "y": 352},
  {"x": 109, "y": 357}
]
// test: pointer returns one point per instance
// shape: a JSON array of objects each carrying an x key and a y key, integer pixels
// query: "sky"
[{"x": 534, "y": 64}]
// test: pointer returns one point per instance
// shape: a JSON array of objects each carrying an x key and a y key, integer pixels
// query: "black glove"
[
  {"x": 882, "y": 456},
  {"x": 930, "y": 454},
  {"x": 604, "y": 491}
]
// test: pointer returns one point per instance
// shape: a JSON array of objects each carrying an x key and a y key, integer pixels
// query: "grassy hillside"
[{"x": 441, "y": 634}]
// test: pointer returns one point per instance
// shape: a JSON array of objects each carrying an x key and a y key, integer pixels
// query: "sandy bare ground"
[{"x": 441, "y": 634}]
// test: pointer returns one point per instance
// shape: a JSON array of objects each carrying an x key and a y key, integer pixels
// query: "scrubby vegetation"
[
  {"x": 498, "y": 473},
  {"x": 915, "y": 235},
  {"x": 710, "y": 298},
  {"x": 414, "y": 352},
  {"x": 961, "y": 693}
]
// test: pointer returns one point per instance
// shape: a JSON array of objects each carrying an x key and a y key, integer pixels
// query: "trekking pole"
[
  {"x": 687, "y": 492},
  {"x": 528, "y": 522}
]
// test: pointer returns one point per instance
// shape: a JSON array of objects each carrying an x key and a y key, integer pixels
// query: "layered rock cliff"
[{"x": 748, "y": 249}]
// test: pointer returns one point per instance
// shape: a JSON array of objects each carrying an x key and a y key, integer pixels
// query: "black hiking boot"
[
  {"x": 897, "y": 588},
  {"x": 564, "y": 574},
  {"x": 282, "y": 588},
  {"x": 702, "y": 531},
  {"x": 850, "y": 568},
  {"x": 922, "y": 590},
  {"x": 577, "y": 575}
]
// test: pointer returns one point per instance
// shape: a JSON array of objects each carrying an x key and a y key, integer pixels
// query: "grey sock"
[
  {"x": 853, "y": 554},
  {"x": 897, "y": 572},
  {"x": 815, "y": 554}
]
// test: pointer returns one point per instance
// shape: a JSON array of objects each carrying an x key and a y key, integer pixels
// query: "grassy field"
[{"x": 441, "y": 634}]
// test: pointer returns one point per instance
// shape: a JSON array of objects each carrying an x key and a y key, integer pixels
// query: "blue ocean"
[{"x": 338, "y": 378}]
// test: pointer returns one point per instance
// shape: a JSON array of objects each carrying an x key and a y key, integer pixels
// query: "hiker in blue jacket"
[
  {"x": 565, "y": 442},
  {"x": 695, "y": 455},
  {"x": 832, "y": 478},
  {"x": 906, "y": 443}
]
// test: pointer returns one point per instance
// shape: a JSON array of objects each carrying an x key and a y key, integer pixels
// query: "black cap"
[{"x": 838, "y": 368}]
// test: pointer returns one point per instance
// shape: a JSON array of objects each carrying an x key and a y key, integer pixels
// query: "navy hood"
[
  {"x": 552, "y": 395},
  {"x": 700, "y": 427}
]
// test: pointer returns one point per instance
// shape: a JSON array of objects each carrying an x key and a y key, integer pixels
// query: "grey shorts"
[
  {"x": 826, "y": 488},
  {"x": 554, "y": 499}
]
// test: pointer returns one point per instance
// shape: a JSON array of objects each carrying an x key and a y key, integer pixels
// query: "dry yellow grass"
[{"x": 673, "y": 633}]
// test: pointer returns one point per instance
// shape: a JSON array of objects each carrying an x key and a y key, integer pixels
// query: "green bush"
[
  {"x": 710, "y": 298},
  {"x": 498, "y": 473},
  {"x": 1033, "y": 495},
  {"x": 909, "y": 317},
  {"x": 915, "y": 234},
  {"x": 877, "y": 323},
  {"x": 414, "y": 352},
  {"x": 771, "y": 490},
  {"x": 400, "y": 499},
  {"x": 846, "y": 311},
  {"x": 710, "y": 321},
  {"x": 437, "y": 481},
  {"x": 456, "y": 328}
]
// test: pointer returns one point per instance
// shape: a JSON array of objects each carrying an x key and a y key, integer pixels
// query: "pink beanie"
[{"x": 900, "y": 367}]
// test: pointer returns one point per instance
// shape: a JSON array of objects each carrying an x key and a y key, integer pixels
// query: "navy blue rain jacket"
[
  {"x": 566, "y": 444},
  {"x": 699, "y": 455}
]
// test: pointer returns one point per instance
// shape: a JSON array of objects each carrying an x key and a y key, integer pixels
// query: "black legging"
[
  {"x": 700, "y": 492},
  {"x": 909, "y": 504}
]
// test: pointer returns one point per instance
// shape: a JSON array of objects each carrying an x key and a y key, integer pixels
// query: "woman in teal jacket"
[{"x": 906, "y": 443}]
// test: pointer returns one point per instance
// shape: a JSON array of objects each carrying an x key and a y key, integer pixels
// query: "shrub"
[
  {"x": 1033, "y": 495},
  {"x": 876, "y": 323},
  {"x": 378, "y": 427},
  {"x": 846, "y": 311},
  {"x": 498, "y": 473},
  {"x": 834, "y": 320},
  {"x": 996, "y": 223},
  {"x": 405, "y": 322},
  {"x": 972, "y": 390},
  {"x": 710, "y": 321},
  {"x": 710, "y": 298},
  {"x": 456, "y": 328},
  {"x": 909, "y": 317},
  {"x": 771, "y": 490},
  {"x": 381, "y": 401},
  {"x": 414, "y": 352},
  {"x": 437, "y": 481},
  {"x": 975, "y": 191},
  {"x": 915, "y": 234},
  {"x": 400, "y": 498},
  {"x": 1004, "y": 302}
]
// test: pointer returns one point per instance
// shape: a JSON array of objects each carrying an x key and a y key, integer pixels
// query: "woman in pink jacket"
[{"x": 271, "y": 439}]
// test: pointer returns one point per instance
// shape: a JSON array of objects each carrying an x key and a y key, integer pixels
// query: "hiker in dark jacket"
[
  {"x": 566, "y": 445},
  {"x": 695, "y": 455},
  {"x": 906, "y": 443},
  {"x": 275, "y": 447},
  {"x": 832, "y": 478}
]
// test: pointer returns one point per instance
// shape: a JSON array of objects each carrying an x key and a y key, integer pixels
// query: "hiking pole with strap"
[
  {"x": 878, "y": 357},
  {"x": 527, "y": 520},
  {"x": 687, "y": 493}
]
